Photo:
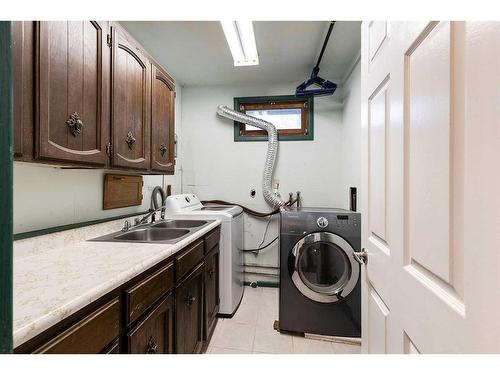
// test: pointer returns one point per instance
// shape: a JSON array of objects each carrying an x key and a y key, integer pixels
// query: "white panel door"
[{"x": 431, "y": 153}]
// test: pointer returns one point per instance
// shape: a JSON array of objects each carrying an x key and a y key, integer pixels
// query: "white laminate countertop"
[{"x": 57, "y": 274}]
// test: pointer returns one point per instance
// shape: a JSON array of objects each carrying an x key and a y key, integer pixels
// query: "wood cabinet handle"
[
  {"x": 190, "y": 300},
  {"x": 75, "y": 124},
  {"x": 130, "y": 140},
  {"x": 152, "y": 346},
  {"x": 211, "y": 272},
  {"x": 163, "y": 149}
]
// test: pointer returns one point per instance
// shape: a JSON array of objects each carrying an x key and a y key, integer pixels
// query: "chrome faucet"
[{"x": 144, "y": 219}]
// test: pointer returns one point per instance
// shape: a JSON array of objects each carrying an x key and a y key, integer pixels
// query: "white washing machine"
[{"x": 185, "y": 206}]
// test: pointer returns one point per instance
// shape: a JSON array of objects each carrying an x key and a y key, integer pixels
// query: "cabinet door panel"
[
  {"x": 211, "y": 307},
  {"x": 162, "y": 122},
  {"x": 154, "y": 334},
  {"x": 73, "y": 91},
  {"x": 189, "y": 313},
  {"x": 130, "y": 103},
  {"x": 23, "y": 35}
]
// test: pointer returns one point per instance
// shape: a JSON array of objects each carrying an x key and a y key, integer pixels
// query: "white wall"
[
  {"x": 351, "y": 135},
  {"x": 214, "y": 166},
  {"x": 46, "y": 196}
]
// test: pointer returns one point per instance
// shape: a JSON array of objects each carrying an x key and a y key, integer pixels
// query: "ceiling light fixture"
[{"x": 241, "y": 40}]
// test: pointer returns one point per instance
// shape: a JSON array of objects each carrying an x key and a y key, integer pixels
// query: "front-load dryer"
[{"x": 320, "y": 291}]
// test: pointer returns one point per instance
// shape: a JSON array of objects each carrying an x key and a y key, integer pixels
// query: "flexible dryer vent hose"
[{"x": 272, "y": 150}]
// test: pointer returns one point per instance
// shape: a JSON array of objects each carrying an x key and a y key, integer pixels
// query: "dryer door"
[{"x": 323, "y": 268}]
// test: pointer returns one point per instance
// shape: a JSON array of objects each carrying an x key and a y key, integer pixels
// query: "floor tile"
[
  {"x": 340, "y": 348},
  {"x": 234, "y": 336},
  {"x": 246, "y": 313},
  {"x": 217, "y": 350},
  {"x": 268, "y": 340},
  {"x": 302, "y": 345},
  {"x": 267, "y": 315},
  {"x": 251, "y": 330}
]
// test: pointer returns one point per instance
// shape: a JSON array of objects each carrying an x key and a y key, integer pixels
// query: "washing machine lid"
[
  {"x": 323, "y": 268},
  {"x": 190, "y": 204}
]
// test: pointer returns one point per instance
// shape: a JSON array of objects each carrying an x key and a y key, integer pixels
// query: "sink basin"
[
  {"x": 152, "y": 235},
  {"x": 180, "y": 224},
  {"x": 167, "y": 231}
]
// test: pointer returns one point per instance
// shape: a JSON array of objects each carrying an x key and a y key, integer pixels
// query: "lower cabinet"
[
  {"x": 189, "y": 313},
  {"x": 211, "y": 303},
  {"x": 170, "y": 308},
  {"x": 154, "y": 334}
]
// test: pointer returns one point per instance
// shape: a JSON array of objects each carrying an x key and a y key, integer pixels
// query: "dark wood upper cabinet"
[
  {"x": 130, "y": 108},
  {"x": 189, "y": 313},
  {"x": 162, "y": 121},
  {"x": 86, "y": 93},
  {"x": 72, "y": 91}
]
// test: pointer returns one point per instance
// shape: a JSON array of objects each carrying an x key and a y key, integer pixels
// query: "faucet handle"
[{"x": 126, "y": 226}]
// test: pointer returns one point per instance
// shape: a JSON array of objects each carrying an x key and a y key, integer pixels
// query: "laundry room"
[{"x": 216, "y": 185}]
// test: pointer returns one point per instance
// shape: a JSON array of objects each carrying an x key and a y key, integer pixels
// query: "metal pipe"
[{"x": 272, "y": 150}]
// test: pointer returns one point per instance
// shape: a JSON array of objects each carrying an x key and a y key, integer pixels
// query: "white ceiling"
[{"x": 196, "y": 52}]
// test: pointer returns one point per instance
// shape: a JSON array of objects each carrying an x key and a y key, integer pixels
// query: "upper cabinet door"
[
  {"x": 162, "y": 122},
  {"x": 130, "y": 110},
  {"x": 72, "y": 72}
]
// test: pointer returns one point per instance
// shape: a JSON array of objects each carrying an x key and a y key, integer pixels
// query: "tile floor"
[{"x": 250, "y": 331}]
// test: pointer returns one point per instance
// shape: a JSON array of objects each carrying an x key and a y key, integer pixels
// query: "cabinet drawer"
[
  {"x": 144, "y": 294},
  {"x": 212, "y": 239},
  {"x": 89, "y": 336},
  {"x": 189, "y": 259}
]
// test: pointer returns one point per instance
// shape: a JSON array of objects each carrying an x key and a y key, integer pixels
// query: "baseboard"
[{"x": 262, "y": 284}]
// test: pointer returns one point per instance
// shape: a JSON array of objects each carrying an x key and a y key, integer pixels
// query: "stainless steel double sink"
[{"x": 164, "y": 231}]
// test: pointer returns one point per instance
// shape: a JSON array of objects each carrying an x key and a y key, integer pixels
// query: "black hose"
[
  {"x": 249, "y": 210},
  {"x": 256, "y": 250}
]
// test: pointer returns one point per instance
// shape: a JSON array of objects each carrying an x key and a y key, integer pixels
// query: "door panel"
[
  {"x": 378, "y": 119},
  {"x": 211, "y": 294},
  {"x": 162, "y": 122},
  {"x": 433, "y": 290},
  {"x": 378, "y": 314},
  {"x": 73, "y": 78},
  {"x": 189, "y": 313},
  {"x": 154, "y": 334},
  {"x": 130, "y": 115},
  {"x": 428, "y": 133}
]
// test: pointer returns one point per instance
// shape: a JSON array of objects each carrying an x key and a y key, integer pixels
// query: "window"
[{"x": 293, "y": 117}]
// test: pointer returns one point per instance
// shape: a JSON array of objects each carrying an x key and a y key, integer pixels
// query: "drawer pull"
[
  {"x": 75, "y": 124},
  {"x": 190, "y": 300},
  {"x": 211, "y": 272},
  {"x": 152, "y": 346},
  {"x": 130, "y": 139},
  {"x": 163, "y": 149}
]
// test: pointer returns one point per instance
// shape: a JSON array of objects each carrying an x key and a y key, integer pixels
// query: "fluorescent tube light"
[{"x": 241, "y": 40}]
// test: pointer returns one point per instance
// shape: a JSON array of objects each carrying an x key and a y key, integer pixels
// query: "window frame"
[{"x": 306, "y": 133}]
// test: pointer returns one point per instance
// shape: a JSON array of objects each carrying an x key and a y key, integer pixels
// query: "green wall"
[{"x": 6, "y": 187}]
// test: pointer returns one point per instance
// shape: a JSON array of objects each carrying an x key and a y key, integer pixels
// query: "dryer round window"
[{"x": 323, "y": 267}]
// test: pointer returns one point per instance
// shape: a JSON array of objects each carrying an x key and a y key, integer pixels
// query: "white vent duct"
[{"x": 272, "y": 150}]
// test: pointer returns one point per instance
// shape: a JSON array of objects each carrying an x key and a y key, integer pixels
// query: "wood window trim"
[{"x": 243, "y": 104}]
